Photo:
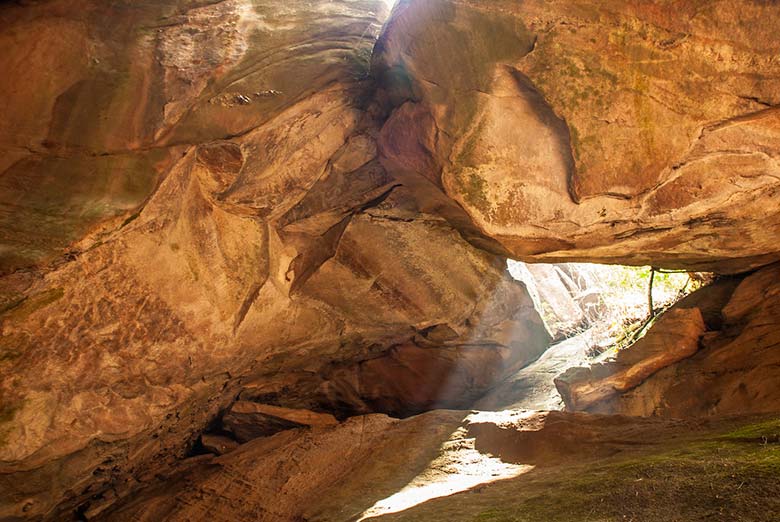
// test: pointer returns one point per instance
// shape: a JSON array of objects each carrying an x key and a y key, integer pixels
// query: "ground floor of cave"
[
  {"x": 512, "y": 460},
  {"x": 725, "y": 473},
  {"x": 516, "y": 456}
]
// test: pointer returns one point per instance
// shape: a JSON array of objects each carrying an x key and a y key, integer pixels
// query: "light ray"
[{"x": 459, "y": 467}]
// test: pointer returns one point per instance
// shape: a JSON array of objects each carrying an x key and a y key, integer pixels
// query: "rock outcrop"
[
  {"x": 606, "y": 131},
  {"x": 193, "y": 200},
  {"x": 376, "y": 468},
  {"x": 568, "y": 295},
  {"x": 673, "y": 338},
  {"x": 211, "y": 210},
  {"x": 731, "y": 370},
  {"x": 249, "y": 420}
]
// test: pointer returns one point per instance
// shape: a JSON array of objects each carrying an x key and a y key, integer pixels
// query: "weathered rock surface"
[
  {"x": 207, "y": 200},
  {"x": 313, "y": 470},
  {"x": 434, "y": 371},
  {"x": 373, "y": 467},
  {"x": 568, "y": 294},
  {"x": 533, "y": 386},
  {"x": 674, "y": 337},
  {"x": 607, "y": 131},
  {"x": 734, "y": 372},
  {"x": 211, "y": 171},
  {"x": 250, "y": 420},
  {"x": 217, "y": 444}
]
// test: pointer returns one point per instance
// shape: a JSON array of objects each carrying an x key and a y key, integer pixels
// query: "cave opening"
[
  {"x": 592, "y": 312},
  {"x": 615, "y": 301}
]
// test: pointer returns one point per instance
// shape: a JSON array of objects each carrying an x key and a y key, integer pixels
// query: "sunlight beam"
[{"x": 459, "y": 467}]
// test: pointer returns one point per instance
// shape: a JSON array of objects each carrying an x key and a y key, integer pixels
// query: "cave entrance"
[
  {"x": 592, "y": 312},
  {"x": 612, "y": 303}
]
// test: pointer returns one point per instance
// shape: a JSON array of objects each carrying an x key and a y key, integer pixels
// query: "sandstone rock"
[
  {"x": 615, "y": 132},
  {"x": 217, "y": 444},
  {"x": 566, "y": 295},
  {"x": 308, "y": 472},
  {"x": 550, "y": 438},
  {"x": 250, "y": 420},
  {"x": 209, "y": 243},
  {"x": 736, "y": 371},
  {"x": 359, "y": 467},
  {"x": 406, "y": 380},
  {"x": 675, "y": 336},
  {"x": 533, "y": 387},
  {"x": 200, "y": 200}
]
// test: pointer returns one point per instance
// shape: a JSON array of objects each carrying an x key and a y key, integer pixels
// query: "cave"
[{"x": 414, "y": 260}]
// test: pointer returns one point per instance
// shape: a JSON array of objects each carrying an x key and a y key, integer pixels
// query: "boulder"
[
  {"x": 567, "y": 295},
  {"x": 738, "y": 367},
  {"x": 734, "y": 371},
  {"x": 674, "y": 337}
]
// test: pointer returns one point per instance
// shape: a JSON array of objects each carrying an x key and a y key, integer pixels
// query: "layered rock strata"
[
  {"x": 609, "y": 131},
  {"x": 261, "y": 237}
]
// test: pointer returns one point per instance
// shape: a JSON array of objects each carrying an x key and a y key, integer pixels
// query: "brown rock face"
[
  {"x": 211, "y": 170},
  {"x": 337, "y": 474},
  {"x": 218, "y": 444},
  {"x": 607, "y": 131},
  {"x": 212, "y": 211},
  {"x": 250, "y": 420},
  {"x": 310, "y": 472},
  {"x": 735, "y": 371},
  {"x": 673, "y": 338}
]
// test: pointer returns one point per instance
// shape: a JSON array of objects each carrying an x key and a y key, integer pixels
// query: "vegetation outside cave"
[{"x": 608, "y": 303}]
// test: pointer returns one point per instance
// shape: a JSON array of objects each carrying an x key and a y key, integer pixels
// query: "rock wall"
[
  {"x": 614, "y": 132},
  {"x": 714, "y": 354},
  {"x": 192, "y": 201}
]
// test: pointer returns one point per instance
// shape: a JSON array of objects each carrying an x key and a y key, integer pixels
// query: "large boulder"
[
  {"x": 673, "y": 338},
  {"x": 618, "y": 132}
]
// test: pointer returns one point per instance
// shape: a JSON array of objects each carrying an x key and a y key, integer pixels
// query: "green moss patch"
[
  {"x": 718, "y": 476},
  {"x": 26, "y": 307}
]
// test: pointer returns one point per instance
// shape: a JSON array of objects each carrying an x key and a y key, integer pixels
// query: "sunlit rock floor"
[
  {"x": 483, "y": 466},
  {"x": 532, "y": 387},
  {"x": 719, "y": 473},
  {"x": 515, "y": 459}
]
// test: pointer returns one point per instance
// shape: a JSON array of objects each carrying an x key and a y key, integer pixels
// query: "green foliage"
[
  {"x": 625, "y": 299},
  {"x": 762, "y": 431}
]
